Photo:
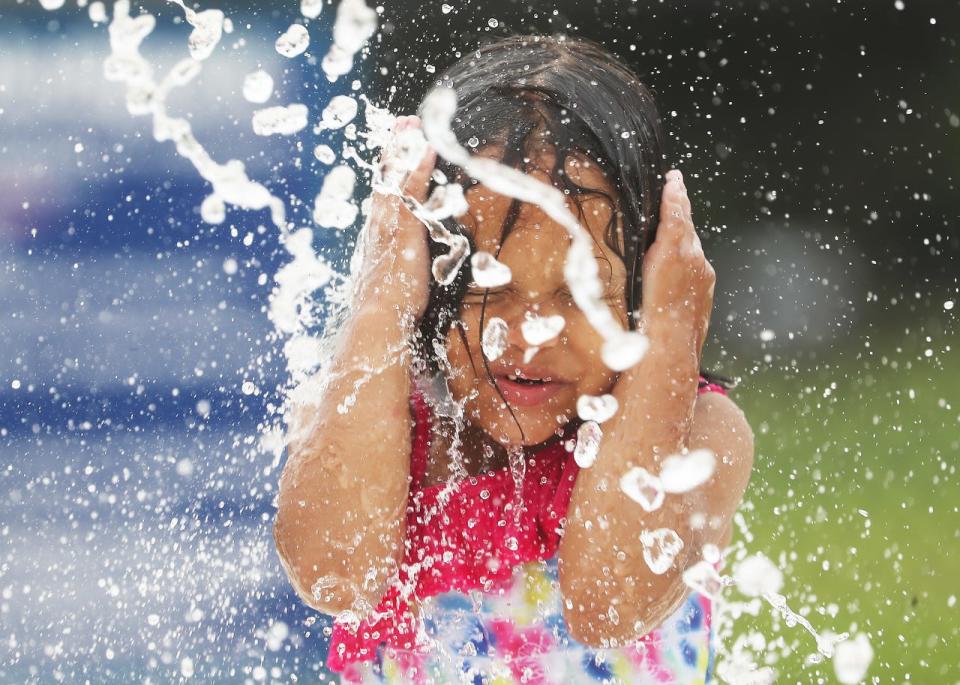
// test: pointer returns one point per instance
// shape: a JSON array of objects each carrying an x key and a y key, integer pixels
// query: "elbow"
[
  {"x": 328, "y": 583},
  {"x": 594, "y": 616},
  {"x": 598, "y": 628},
  {"x": 608, "y": 623},
  {"x": 293, "y": 568}
]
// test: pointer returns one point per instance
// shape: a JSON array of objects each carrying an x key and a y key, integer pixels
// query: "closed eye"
[
  {"x": 610, "y": 296},
  {"x": 477, "y": 293}
]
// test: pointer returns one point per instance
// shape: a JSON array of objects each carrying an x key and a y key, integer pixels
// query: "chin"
[{"x": 537, "y": 427}]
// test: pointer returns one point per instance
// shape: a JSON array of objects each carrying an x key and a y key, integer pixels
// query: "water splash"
[
  {"x": 294, "y": 41},
  {"x": 446, "y": 201},
  {"x": 589, "y": 436},
  {"x": 355, "y": 24},
  {"x": 487, "y": 271},
  {"x": 518, "y": 470},
  {"x": 97, "y": 12},
  {"x": 280, "y": 120},
  {"x": 660, "y": 548},
  {"x": 702, "y": 577},
  {"x": 296, "y": 281},
  {"x": 144, "y": 96},
  {"x": 325, "y": 154},
  {"x": 208, "y": 28},
  {"x": 258, "y": 86},
  {"x": 333, "y": 206},
  {"x": 338, "y": 113},
  {"x": 537, "y": 330},
  {"x": 494, "y": 340},
  {"x": 311, "y": 9},
  {"x": 643, "y": 487},
  {"x": 684, "y": 472},
  {"x": 306, "y": 272},
  {"x": 597, "y": 408},
  {"x": 852, "y": 659},
  {"x": 402, "y": 153}
]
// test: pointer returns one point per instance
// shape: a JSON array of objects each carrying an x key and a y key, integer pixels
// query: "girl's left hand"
[{"x": 678, "y": 281}]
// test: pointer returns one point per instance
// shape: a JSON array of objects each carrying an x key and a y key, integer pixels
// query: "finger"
[
  {"x": 695, "y": 246},
  {"x": 418, "y": 181},
  {"x": 673, "y": 222}
]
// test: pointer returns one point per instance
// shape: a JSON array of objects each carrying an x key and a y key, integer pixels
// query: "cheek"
[
  {"x": 459, "y": 357},
  {"x": 586, "y": 346}
]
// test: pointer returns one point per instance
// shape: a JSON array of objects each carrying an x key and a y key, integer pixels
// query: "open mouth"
[
  {"x": 525, "y": 391},
  {"x": 527, "y": 381}
]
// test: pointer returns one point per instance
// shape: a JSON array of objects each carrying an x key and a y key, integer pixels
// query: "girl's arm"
[
  {"x": 339, "y": 528},
  {"x": 611, "y": 594}
]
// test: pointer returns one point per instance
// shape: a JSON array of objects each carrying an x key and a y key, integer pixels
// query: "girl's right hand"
[{"x": 395, "y": 259}]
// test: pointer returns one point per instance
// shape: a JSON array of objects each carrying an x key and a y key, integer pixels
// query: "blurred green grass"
[{"x": 854, "y": 495}]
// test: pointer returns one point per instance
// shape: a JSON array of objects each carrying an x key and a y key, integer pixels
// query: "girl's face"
[{"x": 535, "y": 251}]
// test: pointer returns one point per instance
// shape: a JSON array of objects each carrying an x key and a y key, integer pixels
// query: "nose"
[{"x": 520, "y": 313}]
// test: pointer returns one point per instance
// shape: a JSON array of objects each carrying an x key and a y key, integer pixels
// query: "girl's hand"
[
  {"x": 678, "y": 281},
  {"x": 394, "y": 268}
]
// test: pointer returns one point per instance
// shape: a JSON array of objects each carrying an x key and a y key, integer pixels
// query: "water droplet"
[
  {"x": 280, "y": 120},
  {"x": 643, "y": 488},
  {"x": 97, "y": 12},
  {"x": 702, "y": 577},
  {"x": 446, "y": 266},
  {"x": 294, "y": 41},
  {"x": 332, "y": 207},
  {"x": 257, "y": 86},
  {"x": 539, "y": 329},
  {"x": 488, "y": 272},
  {"x": 660, "y": 548},
  {"x": 757, "y": 575},
  {"x": 684, "y": 472},
  {"x": 588, "y": 444},
  {"x": 311, "y": 8},
  {"x": 494, "y": 340},
  {"x": 213, "y": 210},
  {"x": 710, "y": 553},
  {"x": 324, "y": 154},
  {"x": 339, "y": 112},
  {"x": 354, "y": 26},
  {"x": 624, "y": 349},
  {"x": 445, "y": 201},
  {"x": 852, "y": 659},
  {"x": 596, "y": 408}
]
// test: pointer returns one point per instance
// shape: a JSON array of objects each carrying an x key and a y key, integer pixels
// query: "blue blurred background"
[
  {"x": 820, "y": 145},
  {"x": 135, "y": 497}
]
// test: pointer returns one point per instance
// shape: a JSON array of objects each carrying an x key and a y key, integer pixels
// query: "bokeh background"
[{"x": 820, "y": 142}]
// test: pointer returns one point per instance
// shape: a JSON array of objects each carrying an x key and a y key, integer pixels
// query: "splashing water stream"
[{"x": 306, "y": 272}]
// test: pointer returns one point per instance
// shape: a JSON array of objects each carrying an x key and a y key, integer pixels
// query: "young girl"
[{"x": 431, "y": 500}]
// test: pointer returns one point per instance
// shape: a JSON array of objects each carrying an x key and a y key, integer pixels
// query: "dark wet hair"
[{"x": 519, "y": 92}]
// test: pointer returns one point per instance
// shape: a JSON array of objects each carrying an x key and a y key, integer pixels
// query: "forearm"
[
  {"x": 601, "y": 554},
  {"x": 343, "y": 492}
]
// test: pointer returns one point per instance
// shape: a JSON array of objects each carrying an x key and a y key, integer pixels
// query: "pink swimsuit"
[{"x": 477, "y": 598}]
